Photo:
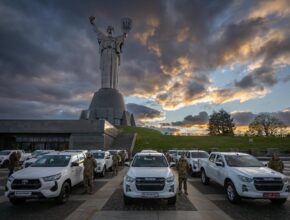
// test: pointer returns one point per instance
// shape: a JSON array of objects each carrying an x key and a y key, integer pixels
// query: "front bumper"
[
  {"x": 248, "y": 190},
  {"x": 130, "y": 190},
  {"x": 47, "y": 190}
]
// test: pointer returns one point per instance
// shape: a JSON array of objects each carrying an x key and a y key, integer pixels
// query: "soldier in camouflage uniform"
[
  {"x": 89, "y": 169},
  {"x": 116, "y": 159},
  {"x": 276, "y": 163},
  {"x": 182, "y": 168}
]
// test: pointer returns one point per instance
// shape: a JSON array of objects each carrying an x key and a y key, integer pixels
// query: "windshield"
[
  {"x": 180, "y": 152},
  {"x": 5, "y": 152},
  {"x": 149, "y": 161},
  {"x": 199, "y": 154},
  {"x": 242, "y": 161},
  {"x": 99, "y": 155},
  {"x": 52, "y": 161}
]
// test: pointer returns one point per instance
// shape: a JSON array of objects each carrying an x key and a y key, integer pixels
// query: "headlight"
[
  {"x": 10, "y": 178},
  {"x": 130, "y": 179},
  {"x": 170, "y": 179},
  {"x": 52, "y": 178},
  {"x": 245, "y": 179},
  {"x": 285, "y": 180}
]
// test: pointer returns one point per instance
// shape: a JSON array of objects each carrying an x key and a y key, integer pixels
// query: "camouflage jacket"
[
  {"x": 276, "y": 165},
  {"x": 89, "y": 166},
  {"x": 13, "y": 160},
  {"x": 182, "y": 167}
]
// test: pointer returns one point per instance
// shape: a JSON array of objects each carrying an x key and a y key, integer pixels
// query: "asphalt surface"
[
  {"x": 115, "y": 203},
  {"x": 212, "y": 188}
]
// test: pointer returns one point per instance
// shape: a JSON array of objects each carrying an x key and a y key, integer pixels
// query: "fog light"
[
  {"x": 128, "y": 189},
  {"x": 244, "y": 188},
  {"x": 171, "y": 189},
  {"x": 55, "y": 187}
]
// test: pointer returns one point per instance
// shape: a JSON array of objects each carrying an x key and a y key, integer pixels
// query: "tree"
[
  {"x": 221, "y": 123},
  {"x": 266, "y": 124}
]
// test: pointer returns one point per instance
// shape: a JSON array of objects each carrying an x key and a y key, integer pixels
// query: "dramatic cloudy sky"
[{"x": 182, "y": 60}]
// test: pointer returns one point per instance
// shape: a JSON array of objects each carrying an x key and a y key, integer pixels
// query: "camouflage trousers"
[
  {"x": 115, "y": 169},
  {"x": 182, "y": 181},
  {"x": 88, "y": 183}
]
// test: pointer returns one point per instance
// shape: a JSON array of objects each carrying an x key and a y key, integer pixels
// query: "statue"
[{"x": 110, "y": 49}]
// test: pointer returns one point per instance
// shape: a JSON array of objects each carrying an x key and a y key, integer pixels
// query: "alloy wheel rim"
[{"x": 230, "y": 192}]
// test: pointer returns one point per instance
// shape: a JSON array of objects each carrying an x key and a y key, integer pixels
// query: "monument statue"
[{"x": 110, "y": 49}]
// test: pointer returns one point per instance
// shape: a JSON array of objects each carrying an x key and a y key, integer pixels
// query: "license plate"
[
  {"x": 22, "y": 193},
  {"x": 271, "y": 195},
  {"x": 150, "y": 194}
]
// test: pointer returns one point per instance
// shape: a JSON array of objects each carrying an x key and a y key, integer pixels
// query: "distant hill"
[{"x": 152, "y": 139}]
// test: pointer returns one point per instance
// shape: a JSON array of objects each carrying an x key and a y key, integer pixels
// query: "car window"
[
  {"x": 149, "y": 161},
  {"x": 242, "y": 161},
  {"x": 52, "y": 161},
  {"x": 199, "y": 154},
  {"x": 219, "y": 158},
  {"x": 211, "y": 158},
  {"x": 99, "y": 155}
]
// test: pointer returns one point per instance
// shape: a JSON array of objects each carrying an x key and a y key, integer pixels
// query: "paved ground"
[{"x": 203, "y": 202}]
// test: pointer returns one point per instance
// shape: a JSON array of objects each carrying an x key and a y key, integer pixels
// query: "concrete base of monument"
[{"x": 108, "y": 104}]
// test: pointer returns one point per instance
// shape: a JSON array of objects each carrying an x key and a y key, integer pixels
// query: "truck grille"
[
  {"x": 26, "y": 184},
  {"x": 150, "y": 183},
  {"x": 268, "y": 184}
]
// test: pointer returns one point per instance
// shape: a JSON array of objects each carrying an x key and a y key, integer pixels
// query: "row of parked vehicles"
[
  {"x": 52, "y": 174},
  {"x": 241, "y": 175}
]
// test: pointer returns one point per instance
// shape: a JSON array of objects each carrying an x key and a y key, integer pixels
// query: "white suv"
[
  {"x": 243, "y": 176},
  {"x": 104, "y": 161},
  {"x": 149, "y": 176},
  {"x": 51, "y": 176},
  {"x": 194, "y": 158}
]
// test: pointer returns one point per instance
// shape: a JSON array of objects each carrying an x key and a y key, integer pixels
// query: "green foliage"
[
  {"x": 266, "y": 124},
  {"x": 152, "y": 139},
  {"x": 221, "y": 123}
]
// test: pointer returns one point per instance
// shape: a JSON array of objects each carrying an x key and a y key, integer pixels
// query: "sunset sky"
[{"x": 182, "y": 60}]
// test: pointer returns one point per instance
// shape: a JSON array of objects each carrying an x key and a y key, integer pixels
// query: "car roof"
[
  {"x": 197, "y": 151},
  {"x": 150, "y": 153},
  {"x": 64, "y": 153},
  {"x": 230, "y": 153},
  {"x": 95, "y": 151}
]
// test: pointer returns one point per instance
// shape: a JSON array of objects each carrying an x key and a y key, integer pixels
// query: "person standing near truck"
[
  {"x": 182, "y": 168},
  {"x": 13, "y": 162},
  {"x": 89, "y": 167},
  {"x": 276, "y": 163}
]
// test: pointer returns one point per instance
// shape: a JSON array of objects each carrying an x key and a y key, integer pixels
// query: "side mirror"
[
  {"x": 220, "y": 164},
  {"x": 172, "y": 164},
  {"x": 74, "y": 164},
  {"x": 127, "y": 163}
]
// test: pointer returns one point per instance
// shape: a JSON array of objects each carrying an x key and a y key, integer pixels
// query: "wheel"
[
  {"x": 204, "y": 178},
  {"x": 64, "y": 193},
  {"x": 278, "y": 201},
  {"x": 232, "y": 194},
  {"x": 17, "y": 201},
  {"x": 103, "y": 172},
  {"x": 172, "y": 200},
  {"x": 127, "y": 200}
]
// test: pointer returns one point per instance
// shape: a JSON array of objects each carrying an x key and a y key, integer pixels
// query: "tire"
[
  {"x": 103, "y": 173},
  {"x": 172, "y": 200},
  {"x": 64, "y": 193},
  {"x": 127, "y": 200},
  {"x": 231, "y": 192},
  {"x": 204, "y": 179},
  {"x": 17, "y": 201},
  {"x": 278, "y": 201}
]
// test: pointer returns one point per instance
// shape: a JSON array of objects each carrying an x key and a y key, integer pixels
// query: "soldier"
[
  {"x": 13, "y": 162},
  {"x": 89, "y": 167},
  {"x": 182, "y": 167},
  {"x": 115, "y": 163},
  {"x": 276, "y": 163}
]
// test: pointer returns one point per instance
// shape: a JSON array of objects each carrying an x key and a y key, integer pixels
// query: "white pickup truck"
[
  {"x": 243, "y": 176},
  {"x": 104, "y": 161},
  {"x": 149, "y": 177},
  {"x": 194, "y": 158},
  {"x": 51, "y": 176}
]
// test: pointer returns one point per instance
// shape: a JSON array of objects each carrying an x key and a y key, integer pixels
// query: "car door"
[
  {"x": 211, "y": 166},
  {"x": 220, "y": 171},
  {"x": 74, "y": 171},
  {"x": 80, "y": 168}
]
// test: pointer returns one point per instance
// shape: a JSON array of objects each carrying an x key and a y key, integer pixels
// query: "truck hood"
[
  {"x": 149, "y": 172},
  {"x": 257, "y": 172},
  {"x": 37, "y": 172},
  {"x": 100, "y": 161}
]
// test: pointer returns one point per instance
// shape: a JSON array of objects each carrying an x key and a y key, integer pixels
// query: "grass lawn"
[{"x": 152, "y": 139}]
